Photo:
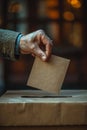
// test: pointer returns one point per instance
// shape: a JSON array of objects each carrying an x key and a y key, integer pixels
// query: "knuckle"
[
  {"x": 41, "y": 31},
  {"x": 33, "y": 47}
]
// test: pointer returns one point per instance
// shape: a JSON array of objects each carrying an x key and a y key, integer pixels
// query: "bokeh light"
[
  {"x": 14, "y": 7},
  {"x": 68, "y": 16},
  {"x": 53, "y": 14},
  {"x": 75, "y": 3}
]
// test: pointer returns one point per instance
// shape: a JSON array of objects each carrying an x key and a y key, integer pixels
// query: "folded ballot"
[{"x": 48, "y": 76}]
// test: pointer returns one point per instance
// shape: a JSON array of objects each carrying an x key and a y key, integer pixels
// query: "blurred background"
[{"x": 65, "y": 21}]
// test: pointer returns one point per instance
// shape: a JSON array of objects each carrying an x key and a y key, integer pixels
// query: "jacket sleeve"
[{"x": 7, "y": 43}]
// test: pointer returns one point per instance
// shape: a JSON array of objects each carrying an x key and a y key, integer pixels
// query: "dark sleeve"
[{"x": 7, "y": 43}]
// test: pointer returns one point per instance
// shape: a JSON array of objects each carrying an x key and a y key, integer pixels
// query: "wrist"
[{"x": 23, "y": 45}]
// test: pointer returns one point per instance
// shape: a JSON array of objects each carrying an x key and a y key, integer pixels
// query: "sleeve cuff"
[{"x": 17, "y": 49}]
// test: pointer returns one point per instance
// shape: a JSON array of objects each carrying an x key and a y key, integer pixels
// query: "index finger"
[{"x": 48, "y": 45}]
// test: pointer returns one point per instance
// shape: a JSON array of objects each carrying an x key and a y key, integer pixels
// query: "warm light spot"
[
  {"x": 54, "y": 14},
  {"x": 15, "y": 7},
  {"x": 75, "y": 3},
  {"x": 75, "y": 37},
  {"x": 68, "y": 16},
  {"x": 69, "y": 1},
  {"x": 78, "y": 5},
  {"x": 18, "y": 67},
  {"x": 72, "y": 1},
  {"x": 51, "y": 3},
  {"x": 54, "y": 30}
]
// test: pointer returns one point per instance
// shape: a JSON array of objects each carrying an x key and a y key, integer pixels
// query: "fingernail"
[{"x": 44, "y": 57}]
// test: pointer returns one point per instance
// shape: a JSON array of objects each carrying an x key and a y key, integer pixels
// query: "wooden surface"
[
  {"x": 37, "y": 108},
  {"x": 46, "y": 128}
]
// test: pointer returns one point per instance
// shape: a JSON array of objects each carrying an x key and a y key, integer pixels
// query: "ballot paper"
[{"x": 48, "y": 76}]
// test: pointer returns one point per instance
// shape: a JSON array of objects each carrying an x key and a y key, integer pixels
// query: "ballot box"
[{"x": 40, "y": 110}]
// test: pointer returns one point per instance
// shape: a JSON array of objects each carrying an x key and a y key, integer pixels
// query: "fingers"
[
  {"x": 39, "y": 53},
  {"x": 45, "y": 40},
  {"x": 32, "y": 43},
  {"x": 48, "y": 50}
]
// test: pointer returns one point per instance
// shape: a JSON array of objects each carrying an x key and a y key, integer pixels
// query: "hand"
[{"x": 33, "y": 44}]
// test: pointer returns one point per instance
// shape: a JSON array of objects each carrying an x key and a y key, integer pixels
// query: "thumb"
[{"x": 41, "y": 54}]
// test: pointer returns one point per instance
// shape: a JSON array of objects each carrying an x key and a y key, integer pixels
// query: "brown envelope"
[{"x": 48, "y": 76}]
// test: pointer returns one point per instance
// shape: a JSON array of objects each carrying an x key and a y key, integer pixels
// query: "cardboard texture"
[
  {"x": 16, "y": 110},
  {"x": 48, "y": 76}
]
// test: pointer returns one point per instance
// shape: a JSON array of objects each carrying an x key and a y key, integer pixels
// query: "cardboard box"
[{"x": 37, "y": 108}]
